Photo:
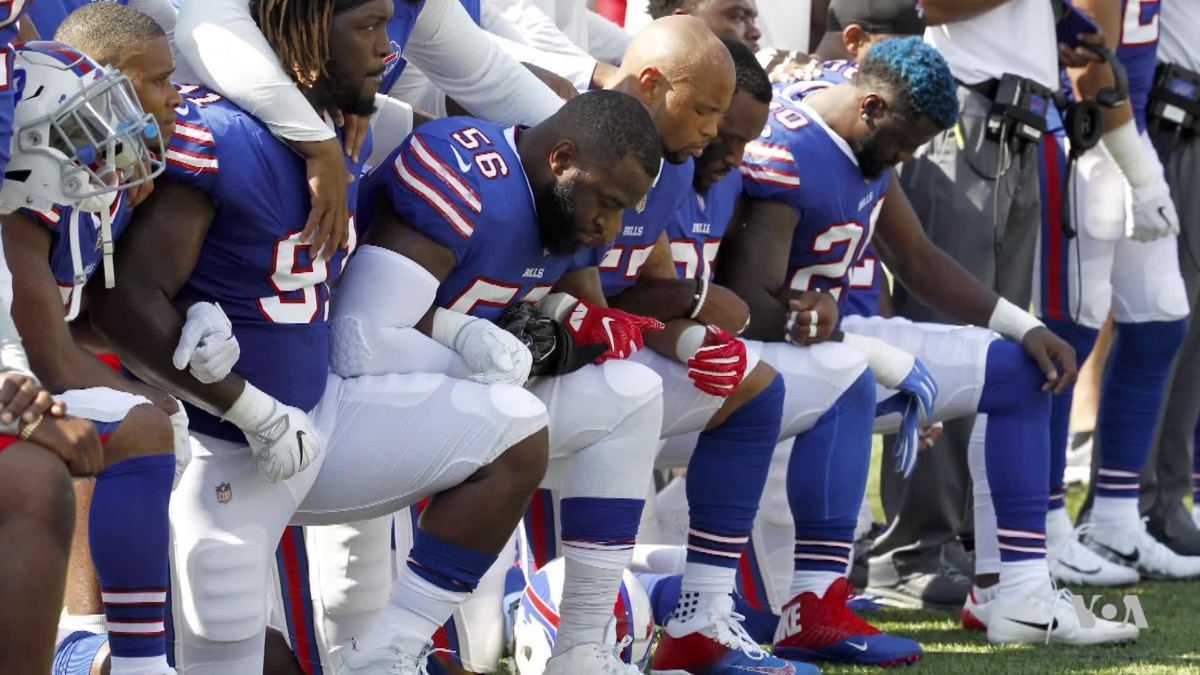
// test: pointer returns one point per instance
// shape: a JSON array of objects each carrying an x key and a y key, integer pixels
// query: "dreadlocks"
[{"x": 298, "y": 31}]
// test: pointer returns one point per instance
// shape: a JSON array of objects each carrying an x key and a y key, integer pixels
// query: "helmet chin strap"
[{"x": 106, "y": 245}]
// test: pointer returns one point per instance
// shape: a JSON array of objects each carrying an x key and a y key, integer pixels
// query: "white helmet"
[
  {"x": 79, "y": 132},
  {"x": 536, "y": 622}
]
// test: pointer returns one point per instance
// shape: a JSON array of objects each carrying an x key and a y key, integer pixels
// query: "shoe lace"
[
  {"x": 836, "y": 613},
  {"x": 732, "y": 634},
  {"x": 622, "y": 668},
  {"x": 1060, "y": 595}
]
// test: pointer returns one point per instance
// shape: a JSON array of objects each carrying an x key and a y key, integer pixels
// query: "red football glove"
[
  {"x": 621, "y": 331},
  {"x": 719, "y": 365}
]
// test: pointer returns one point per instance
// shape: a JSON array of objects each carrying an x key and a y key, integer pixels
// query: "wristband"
[
  {"x": 251, "y": 409},
  {"x": 1009, "y": 321},
  {"x": 700, "y": 297}
]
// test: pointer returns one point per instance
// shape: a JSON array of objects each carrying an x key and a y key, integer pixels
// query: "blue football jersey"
[
  {"x": 10, "y": 12},
  {"x": 48, "y": 14},
  {"x": 642, "y": 226},
  {"x": 460, "y": 182},
  {"x": 65, "y": 224},
  {"x": 866, "y": 283},
  {"x": 836, "y": 208},
  {"x": 1138, "y": 50},
  {"x": 696, "y": 238},
  {"x": 831, "y": 73},
  {"x": 272, "y": 286},
  {"x": 400, "y": 28}
]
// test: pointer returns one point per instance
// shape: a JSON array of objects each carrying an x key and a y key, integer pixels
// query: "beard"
[
  {"x": 711, "y": 156},
  {"x": 347, "y": 94},
  {"x": 870, "y": 161},
  {"x": 555, "y": 205}
]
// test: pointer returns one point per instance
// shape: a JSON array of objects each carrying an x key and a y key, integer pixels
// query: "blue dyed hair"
[{"x": 917, "y": 74}]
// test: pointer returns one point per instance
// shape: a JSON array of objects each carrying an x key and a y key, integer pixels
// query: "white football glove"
[
  {"x": 183, "y": 442},
  {"x": 1153, "y": 213},
  {"x": 282, "y": 438},
  {"x": 494, "y": 355},
  {"x": 207, "y": 347}
]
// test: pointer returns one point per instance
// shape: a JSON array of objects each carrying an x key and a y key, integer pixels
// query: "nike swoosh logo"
[
  {"x": 1077, "y": 569},
  {"x": 1038, "y": 626},
  {"x": 607, "y": 323},
  {"x": 300, "y": 442},
  {"x": 861, "y": 648},
  {"x": 182, "y": 110},
  {"x": 464, "y": 167},
  {"x": 1130, "y": 558},
  {"x": 789, "y": 669}
]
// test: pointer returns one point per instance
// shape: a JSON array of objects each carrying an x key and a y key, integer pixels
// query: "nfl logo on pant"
[
  {"x": 224, "y": 493},
  {"x": 1087, "y": 612}
]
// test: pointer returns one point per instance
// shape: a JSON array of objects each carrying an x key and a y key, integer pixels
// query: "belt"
[{"x": 987, "y": 88}]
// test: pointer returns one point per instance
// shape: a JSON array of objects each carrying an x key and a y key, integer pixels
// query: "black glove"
[{"x": 554, "y": 351}]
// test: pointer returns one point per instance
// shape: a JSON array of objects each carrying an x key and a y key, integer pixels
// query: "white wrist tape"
[
  {"x": 447, "y": 324},
  {"x": 557, "y": 305},
  {"x": 1011, "y": 322},
  {"x": 1133, "y": 156},
  {"x": 252, "y": 409},
  {"x": 890, "y": 365},
  {"x": 689, "y": 342}
]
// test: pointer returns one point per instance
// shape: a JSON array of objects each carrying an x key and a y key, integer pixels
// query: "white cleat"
[
  {"x": 386, "y": 660},
  {"x": 1140, "y": 551},
  {"x": 1073, "y": 563},
  {"x": 977, "y": 609},
  {"x": 1051, "y": 616},
  {"x": 589, "y": 658}
]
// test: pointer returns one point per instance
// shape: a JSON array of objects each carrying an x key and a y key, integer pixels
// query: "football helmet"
[
  {"x": 536, "y": 622},
  {"x": 79, "y": 133}
]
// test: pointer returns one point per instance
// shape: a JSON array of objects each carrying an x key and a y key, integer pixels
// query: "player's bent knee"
[
  {"x": 146, "y": 430},
  {"x": 36, "y": 485},
  {"x": 1013, "y": 380},
  {"x": 631, "y": 381},
  {"x": 220, "y": 581},
  {"x": 524, "y": 463}
]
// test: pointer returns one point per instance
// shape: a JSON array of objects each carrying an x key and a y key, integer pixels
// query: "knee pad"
[
  {"x": 223, "y": 584},
  {"x": 632, "y": 382}
]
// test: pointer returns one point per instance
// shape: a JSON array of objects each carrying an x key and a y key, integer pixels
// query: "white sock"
[
  {"x": 1120, "y": 513},
  {"x": 1023, "y": 578},
  {"x": 812, "y": 581},
  {"x": 1058, "y": 529},
  {"x": 142, "y": 665},
  {"x": 415, "y": 611},
  {"x": 702, "y": 586},
  {"x": 591, "y": 581},
  {"x": 92, "y": 623}
]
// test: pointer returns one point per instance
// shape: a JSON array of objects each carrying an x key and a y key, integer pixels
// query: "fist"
[{"x": 812, "y": 316}]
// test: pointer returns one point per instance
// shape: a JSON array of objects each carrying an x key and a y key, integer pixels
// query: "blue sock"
[
  {"x": 1083, "y": 340},
  {"x": 1017, "y": 450},
  {"x": 447, "y": 566},
  {"x": 541, "y": 529},
  {"x": 1130, "y": 398},
  {"x": 725, "y": 481},
  {"x": 827, "y": 477},
  {"x": 129, "y": 535}
]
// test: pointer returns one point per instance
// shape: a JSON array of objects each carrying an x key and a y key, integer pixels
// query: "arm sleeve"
[
  {"x": 536, "y": 29},
  {"x": 226, "y": 51},
  {"x": 606, "y": 40},
  {"x": 577, "y": 70},
  {"x": 429, "y": 192},
  {"x": 456, "y": 55},
  {"x": 391, "y": 123},
  {"x": 415, "y": 89}
]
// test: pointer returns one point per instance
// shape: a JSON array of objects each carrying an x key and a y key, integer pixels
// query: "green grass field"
[{"x": 1171, "y": 644}]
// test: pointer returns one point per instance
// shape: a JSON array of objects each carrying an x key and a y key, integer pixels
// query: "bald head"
[{"x": 685, "y": 77}]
